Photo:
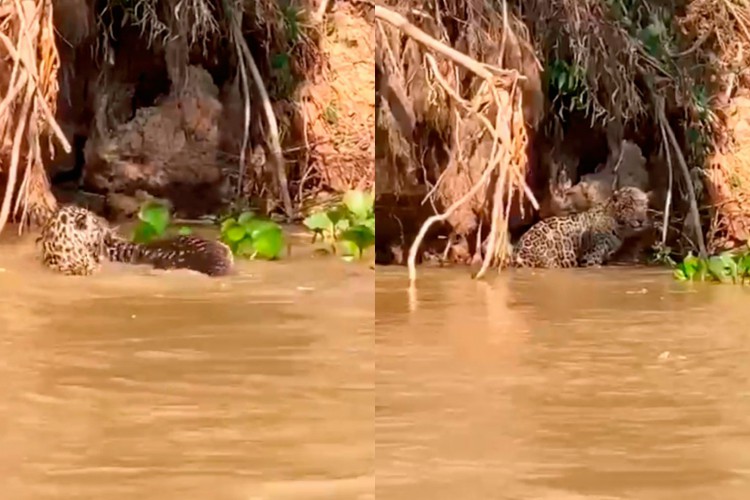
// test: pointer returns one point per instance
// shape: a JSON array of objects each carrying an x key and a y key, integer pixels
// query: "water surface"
[
  {"x": 616, "y": 383},
  {"x": 131, "y": 384}
]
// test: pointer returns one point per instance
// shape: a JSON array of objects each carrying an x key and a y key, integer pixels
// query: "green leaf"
[
  {"x": 723, "y": 267},
  {"x": 744, "y": 265},
  {"x": 690, "y": 264},
  {"x": 730, "y": 264},
  {"x": 268, "y": 242},
  {"x": 693, "y": 135},
  {"x": 235, "y": 233},
  {"x": 336, "y": 214},
  {"x": 318, "y": 222},
  {"x": 679, "y": 274},
  {"x": 359, "y": 203},
  {"x": 156, "y": 215},
  {"x": 256, "y": 226},
  {"x": 702, "y": 270},
  {"x": 717, "y": 268},
  {"x": 227, "y": 224},
  {"x": 370, "y": 224},
  {"x": 342, "y": 226},
  {"x": 246, "y": 217},
  {"x": 185, "y": 231},
  {"x": 280, "y": 61},
  {"x": 144, "y": 232},
  {"x": 348, "y": 249},
  {"x": 361, "y": 236},
  {"x": 245, "y": 248}
]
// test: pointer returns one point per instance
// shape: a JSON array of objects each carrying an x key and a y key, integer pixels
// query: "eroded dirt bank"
[
  {"x": 651, "y": 96},
  {"x": 154, "y": 105}
]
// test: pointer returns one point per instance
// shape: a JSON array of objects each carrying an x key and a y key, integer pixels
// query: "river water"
[
  {"x": 583, "y": 384},
  {"x": 312, "y": 378},
  {"x": 130, "y": 385}
]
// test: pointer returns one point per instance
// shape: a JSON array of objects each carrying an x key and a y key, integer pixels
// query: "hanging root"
[
  {"x": 666, "y": 128},
  {"x": 246, "y": 59},
  {"x": 498, "y": 93},
  {"x": 27, "y": 109}
]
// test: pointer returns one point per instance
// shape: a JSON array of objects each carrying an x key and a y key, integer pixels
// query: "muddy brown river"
[
  {"x": 569, "y": 385},
  {"x": 131, "y": 385},
  {"x": 312, "y": 378}
]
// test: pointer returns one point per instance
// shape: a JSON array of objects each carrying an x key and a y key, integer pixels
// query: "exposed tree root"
[
  {"x": 499, "y": 90},
  {"x": 696, "y": 223},
  {"x": 659, "y": 105},
  {"x": 273, "y": 127},
  {"x": 27, "y": 109}
]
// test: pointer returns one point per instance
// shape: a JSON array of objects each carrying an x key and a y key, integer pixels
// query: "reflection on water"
[
  {"x": 583, "y": 384},
  {"x": 126, "y": 385}
]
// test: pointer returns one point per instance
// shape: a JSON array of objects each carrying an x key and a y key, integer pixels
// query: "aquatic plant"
[
  {"x": 252, "y": 237},
  {"x": 348, "y": 227},
  {"x": 726, "y": 267},
  {"x": 155, "y": 223}
]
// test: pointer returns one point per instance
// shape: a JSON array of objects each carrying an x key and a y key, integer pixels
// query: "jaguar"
[
  {"x": 75, "y": 241},
  {"x": 587, "y": 238}
]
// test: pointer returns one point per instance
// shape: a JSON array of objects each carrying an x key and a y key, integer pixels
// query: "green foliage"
[
  {"x": 699, "y": 129},
  {"x": 656, "y": 38},
  {"x": 567, "y": 82},
  {"x": 155, "y": 223},
  {"x": 727, "y": 267},
  {"x": 282, "y": 78},
  {"x": 284, "y": 74},
  {"x": 252, "y": 237},
  {"x": 290, "y": 15},
  {"x": 349, "y": 227}
]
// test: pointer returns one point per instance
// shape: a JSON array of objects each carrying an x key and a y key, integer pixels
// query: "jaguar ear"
[{"x": 651, "y": 196}]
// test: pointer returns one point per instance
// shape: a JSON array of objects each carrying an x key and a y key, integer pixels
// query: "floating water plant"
[
  {"x": 349, "y": 227},
  {"x": 154, "y": 223},
  {"x": 252, "y": 237},
  {"x": 727, "y": 267}
]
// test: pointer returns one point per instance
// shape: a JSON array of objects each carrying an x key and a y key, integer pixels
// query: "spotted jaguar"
[
  {"x": 584, "y": 239},
  {"x": 75, "y": 241}
]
